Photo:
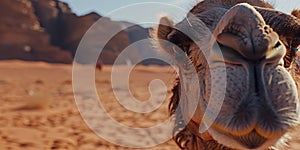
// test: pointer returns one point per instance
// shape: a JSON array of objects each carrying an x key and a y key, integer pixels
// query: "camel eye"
[
  {"x": 295, "y": 45},
  {"x": 296, "y": 48}
]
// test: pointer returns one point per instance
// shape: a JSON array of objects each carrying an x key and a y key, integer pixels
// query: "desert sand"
[{"x": 38, "y": 110}]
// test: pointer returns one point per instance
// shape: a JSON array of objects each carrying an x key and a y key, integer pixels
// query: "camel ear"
[
  {"x": 296, "y": 13},
  {"x": 165, "y": 27},
  {"x": 167, "y": 36}
]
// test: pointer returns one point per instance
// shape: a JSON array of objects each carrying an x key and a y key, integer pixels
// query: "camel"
[{"x": 258, "y": 46}]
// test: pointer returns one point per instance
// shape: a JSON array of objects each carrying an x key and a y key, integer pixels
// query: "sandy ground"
[{"x": 38, "y": 110}]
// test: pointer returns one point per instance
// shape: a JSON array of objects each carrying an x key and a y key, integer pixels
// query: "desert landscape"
[{"x": 38, "y": 109}]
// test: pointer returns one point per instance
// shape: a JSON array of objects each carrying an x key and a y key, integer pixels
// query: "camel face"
[
  {"x": 261, "y": 100},
  {"x": 261, "y": 104}
]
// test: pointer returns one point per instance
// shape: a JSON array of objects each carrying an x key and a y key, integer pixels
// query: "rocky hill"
[{"x": 48, "y": 30}]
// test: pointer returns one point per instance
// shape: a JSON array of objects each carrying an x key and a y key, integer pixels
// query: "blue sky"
[{"x": 150, "y": 12}]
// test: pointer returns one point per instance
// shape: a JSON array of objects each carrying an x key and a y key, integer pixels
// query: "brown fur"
[
  {"x": 183, "y": 137},
  {"x": 296, "y": 13},
  {"x": 288, "y": 27},
  {"x": 282, "y": 23},
  {"x": 209, "y": 4}
]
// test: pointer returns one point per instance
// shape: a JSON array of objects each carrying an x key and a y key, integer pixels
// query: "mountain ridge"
[{"x": 48, "y": 30}]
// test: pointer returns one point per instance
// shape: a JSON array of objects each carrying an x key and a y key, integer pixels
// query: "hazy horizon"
[{"x": 106, "y": 7}]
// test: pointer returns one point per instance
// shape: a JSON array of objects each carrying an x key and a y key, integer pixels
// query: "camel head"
[{"x": 256, "y": 44}]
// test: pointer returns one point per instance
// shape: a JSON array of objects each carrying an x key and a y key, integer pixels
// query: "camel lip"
[{"x": 252, "y": 141}]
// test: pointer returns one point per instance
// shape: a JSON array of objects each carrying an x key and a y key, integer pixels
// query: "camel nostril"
[{"x": 277, "y": 44}]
